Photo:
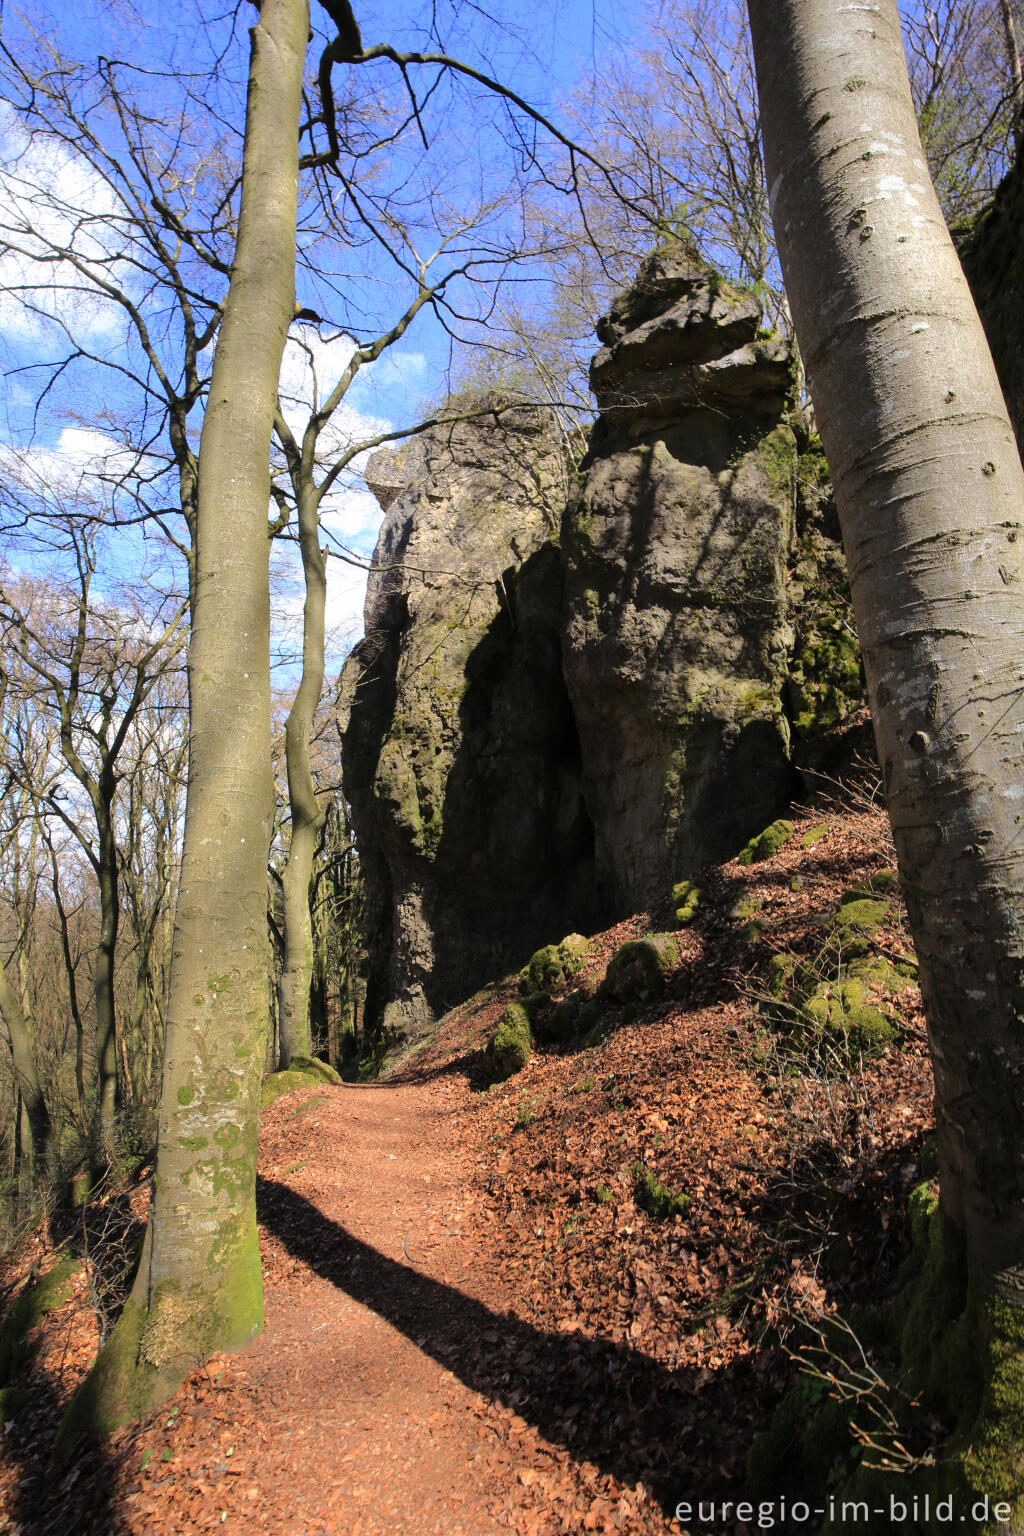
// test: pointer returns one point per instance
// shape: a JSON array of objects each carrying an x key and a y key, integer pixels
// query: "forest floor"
[{"x": 472, "y": 1324}]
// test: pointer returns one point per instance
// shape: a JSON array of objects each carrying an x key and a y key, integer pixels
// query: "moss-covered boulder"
[
  {"x": 657, "y": 1199},
  {"x": 594, "y": 1023},
  {"x": 768, "y": 842},
  {"x": 535, "y": 1004},
  {"x": 558, "y": 1023},
  {"x": 638, "y": 972},
  {"x": 845, "y": 995},
  {"x": 747, "y": 912},
  {"x": 685, "y": 901},
  {"x": 814, "y": 835},
  {"x": 304, "y": 1072},
  {"x": 857, "y": 920},
  {"x": 542, "y": 972},
  {"x": 550, "y": 969},
  {"x": 508, "y": 1049},
  {"x": 849, "y": 1012}
]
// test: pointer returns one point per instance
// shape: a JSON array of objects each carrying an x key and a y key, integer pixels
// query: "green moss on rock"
[
  {"x": 825, "y": 676},
  {"x": 843, "y": 1009},
  {"x": 638, "y": 971},
  {"x": 656, "y": 1198},
  {"x": 551, "y": 968},
  {"x": 573, "y": 952},
  {"x": 508, "y": 1049},
  {"x": 748, "y": 913},
  {"x": 315, "y": 1068},
  {"x": 780, "y": 971},
  {"x": 558, "y": 1024},
  {"x": 534, "y": 1004},
  {"x": 814, "y": 835},
  {"x": 767, "y": 843},
  {"x": 685, "y": 901},
  {"x": 859, "y": 917},
  {"x": 594, "y": 1023},
  {"x": 304, "y": 1072},
  {"x": 845, "y": 993}
]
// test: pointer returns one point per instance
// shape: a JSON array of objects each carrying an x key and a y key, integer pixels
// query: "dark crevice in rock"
[{"x": 545, "y": 736}]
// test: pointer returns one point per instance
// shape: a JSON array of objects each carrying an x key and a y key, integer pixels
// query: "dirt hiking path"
[
  {"x": 387, "y": 1436},
  {"x": 382, "y": 1395},
  {"x": 475, "y": 1323}
]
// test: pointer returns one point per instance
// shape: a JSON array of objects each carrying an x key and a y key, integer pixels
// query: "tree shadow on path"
[{"x": 606, "y": 1403}]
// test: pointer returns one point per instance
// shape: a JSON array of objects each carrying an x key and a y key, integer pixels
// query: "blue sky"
[{"x": 541, "y": 51}]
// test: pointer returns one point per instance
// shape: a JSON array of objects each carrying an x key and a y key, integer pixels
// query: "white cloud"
[
  {"x": 310, "y": 369},
  {"x": 346, "y": 594},
  {"x": 350, "y": 515},
  {"x": 355, "y": 524},
  {"x": 52, "y": 200},
  {"x": 82, "y": 466}
]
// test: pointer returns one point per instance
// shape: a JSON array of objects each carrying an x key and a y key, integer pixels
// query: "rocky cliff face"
[
  {"x": 461, "y": 756},
  {"x": 992, "y": 254},
  {"x": 677, "y": 623},
  {"x": 545, "y": 732}
]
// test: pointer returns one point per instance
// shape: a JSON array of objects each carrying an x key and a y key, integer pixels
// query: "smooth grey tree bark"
[
  {"x": 19, "y": 1035},
  {"x": 199, "y": 1285},
  {"x": 307, "y": 814},
  {"x": 930, "y": 493}
]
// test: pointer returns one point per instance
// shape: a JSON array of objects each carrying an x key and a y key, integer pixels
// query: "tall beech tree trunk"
[
  {"x": 307, "y": 814},
  {"x": 34, "y": 1109},
  {"x": 103, "y": 972},
  {"x": 198, "y": 1286},
  {"x": 931, "y": 499}
]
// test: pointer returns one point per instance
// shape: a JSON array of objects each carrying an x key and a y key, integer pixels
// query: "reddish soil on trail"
[
  {"x": 378, "y": 1398},
  {"x": 473, "y": 1325}
]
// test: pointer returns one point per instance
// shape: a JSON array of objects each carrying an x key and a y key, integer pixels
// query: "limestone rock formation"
[
  {"x": 574, "y": 694},
  {"x": 461, "y": 757},
  {"x": 677, "y": 623}
]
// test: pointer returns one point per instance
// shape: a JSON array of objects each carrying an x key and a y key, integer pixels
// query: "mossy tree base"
[
  {"x": 302, "y": 1072},
  {"x": 961, "y": 1361},
  {"x": 152, "y": 1349}
]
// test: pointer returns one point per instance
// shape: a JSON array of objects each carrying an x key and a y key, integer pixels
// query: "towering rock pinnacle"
[{"x": 676, "y": 621}]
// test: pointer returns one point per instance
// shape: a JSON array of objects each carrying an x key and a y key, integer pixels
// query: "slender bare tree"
[{"x": 87, "y": 662}]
